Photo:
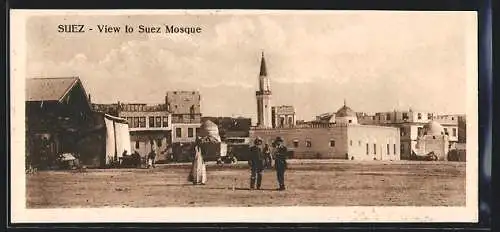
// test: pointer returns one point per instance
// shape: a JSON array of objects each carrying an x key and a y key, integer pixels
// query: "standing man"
[
  {"x": 280, "y": 162},
  {"x": 256, "y": 162}
]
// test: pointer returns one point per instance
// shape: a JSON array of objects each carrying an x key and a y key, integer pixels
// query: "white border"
[{"x": 20, "y": 214}]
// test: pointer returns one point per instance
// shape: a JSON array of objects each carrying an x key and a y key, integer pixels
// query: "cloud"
[{"x": 373, "y": 59}]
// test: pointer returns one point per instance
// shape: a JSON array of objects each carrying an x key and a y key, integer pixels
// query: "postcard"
[{"x": 243, "y": 116}]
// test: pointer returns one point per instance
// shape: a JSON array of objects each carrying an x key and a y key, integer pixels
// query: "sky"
[{"x": 376, "y": 61}]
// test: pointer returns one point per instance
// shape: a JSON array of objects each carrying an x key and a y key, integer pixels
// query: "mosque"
[
  {"x": 340, "y": 137},
  {"x": 344, "y": 139}
]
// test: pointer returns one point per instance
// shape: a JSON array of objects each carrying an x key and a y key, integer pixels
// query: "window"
[
  {"x": 332, "y": 143},
  {"x": 405, "y": 116},
  {"x": 375, "y": 149},
  {"x": 394, "y": 151},
  {"x": 350, "y": 121},
  {"x": 388, "y": 117},
  {"x": 130, "y": 120},
  {"x": 136, "y": 122},
  {"x": 403, "y": 133},
  {"x": 359, "y": 143},
  {"x": 388, "y": 149},
  {"x": 446, "y": 131},
  {"x": 165, "y": 121},
  {"x": 158, "y": 142},
  {"x": 419, "y": 116},
  {"x": 350, "y": 142},
  {"x": 295, "y": 143},
  {"x": 190, "y": 132},
  {"x": 429, "y": 116},
  {"x": 420, "y": 131},
  {"x": 178, "y": 132},
  {"x": 308, "y": 143},
  {"x": 197, "y": 131},
  {"x": 136, "y": 144},
  {"x": 142, "y": 122},
  {"x": 454, "y": 132},
  {"x": 158, "y": 122},
  {"x": 452, "y": 118},
  {"x": 151, "y": 121},
  {"x": 367, "y": 149}
]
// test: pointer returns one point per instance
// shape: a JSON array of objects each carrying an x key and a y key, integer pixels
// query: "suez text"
[{"x": 80, "y": 28}]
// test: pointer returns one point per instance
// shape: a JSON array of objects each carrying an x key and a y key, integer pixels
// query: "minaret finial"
[
  {"x": 344, "y": 102},
  {"x": 263, "y": 70}
]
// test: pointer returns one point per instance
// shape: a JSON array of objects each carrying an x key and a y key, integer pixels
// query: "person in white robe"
[{"x": 198, "y": 174}]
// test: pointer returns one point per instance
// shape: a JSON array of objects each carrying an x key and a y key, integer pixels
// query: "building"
[
  {"x": 184, "y": 107},
  {"x": 337, "y": 140},
  {"x": 433, "y": 140},
  {"x": 231, "y": 127},
  {"x": 150, "y": 128},
  {"x": 462, "y": 129},
  {"x": 283, "y": 116},
  {"x": 58, "y": 117},
  {"x": 331, "y": 136},
  {"x": 411, "y": 124},
  {"x": 263, "y": 96}
]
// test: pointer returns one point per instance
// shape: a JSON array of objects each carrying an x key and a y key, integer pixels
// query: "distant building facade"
[
  {"x": 411, "y": 124},
  {"x": 283, "y": 116},
  {"x": 185, "y": 109},
  {"x": 333, "y": 135},
  {"x": 150, "y": 128},
  {"x": 348, "y": 140}
]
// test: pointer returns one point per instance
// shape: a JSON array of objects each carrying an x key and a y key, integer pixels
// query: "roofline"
[{"x": 75, "y": 81}]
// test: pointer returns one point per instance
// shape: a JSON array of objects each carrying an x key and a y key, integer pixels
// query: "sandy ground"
[{"x": 309, "y": 183}]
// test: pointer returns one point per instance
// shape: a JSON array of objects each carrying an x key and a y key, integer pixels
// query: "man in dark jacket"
[
  {"x": 256, "y": 162},
  {"x": 281, "y": 154}
]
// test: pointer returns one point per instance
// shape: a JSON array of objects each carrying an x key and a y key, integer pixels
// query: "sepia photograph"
[{"x": 244, "y": 116}]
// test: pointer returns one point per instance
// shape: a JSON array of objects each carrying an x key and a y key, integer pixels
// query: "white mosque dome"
[
  {"x": 434, "y": 128},
  {"x": 345, "y": 111},
  {"x": 209, "y": 129},
  {"x": 345, "y": 115}
]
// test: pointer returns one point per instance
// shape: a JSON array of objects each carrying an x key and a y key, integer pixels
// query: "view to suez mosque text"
[{"x": 170, "y": 129}]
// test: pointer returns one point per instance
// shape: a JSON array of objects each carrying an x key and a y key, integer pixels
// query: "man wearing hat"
[
  {"x": 281, "y": 154},
  {"x": 256, "y": 162}
]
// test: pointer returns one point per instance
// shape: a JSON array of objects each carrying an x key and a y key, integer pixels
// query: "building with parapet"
[{"x": 343, "y": 138}]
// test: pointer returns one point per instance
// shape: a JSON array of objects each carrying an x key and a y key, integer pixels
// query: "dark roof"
[
  {"x": 345, "y": 111},
  {"x": 49, "y": 89},
  {"x": 263, "y": 69}
]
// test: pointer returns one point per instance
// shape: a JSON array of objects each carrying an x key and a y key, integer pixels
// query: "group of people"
[
  {"x": 134, "y": 159},
  {"x": 259, "y": 158},
  {"x": 258, "y": 161}
]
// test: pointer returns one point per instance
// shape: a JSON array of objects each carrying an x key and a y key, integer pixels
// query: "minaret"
[{"x": 263, "y": 97}]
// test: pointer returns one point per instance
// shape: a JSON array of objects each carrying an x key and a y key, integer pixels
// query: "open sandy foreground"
[{"x": 309, "y": 183}]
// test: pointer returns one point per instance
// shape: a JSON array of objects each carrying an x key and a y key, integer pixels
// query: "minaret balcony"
[{"x": 265, "y": 92}]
